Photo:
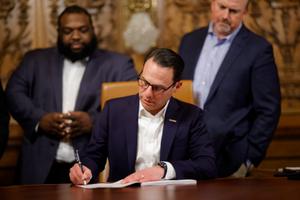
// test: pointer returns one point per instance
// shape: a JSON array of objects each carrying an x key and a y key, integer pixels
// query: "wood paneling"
[
  {"x": 8, "y": 162},
  {"x": 284, "y": 149}
]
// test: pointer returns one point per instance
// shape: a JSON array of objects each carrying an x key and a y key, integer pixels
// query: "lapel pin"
[{"x": 172, "y": 120}]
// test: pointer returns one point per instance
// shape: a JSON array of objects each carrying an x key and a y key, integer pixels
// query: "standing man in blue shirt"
[{"x": 235, "y": 81}]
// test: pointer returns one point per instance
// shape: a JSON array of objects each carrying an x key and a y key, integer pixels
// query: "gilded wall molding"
[
  {"x": 279, "y": 22},
  {"x": 180, "y": 17},
  {"x": 13, "y": 39}
]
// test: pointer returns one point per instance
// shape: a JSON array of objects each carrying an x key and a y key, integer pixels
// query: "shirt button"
[{"x": 203, "y": 82}]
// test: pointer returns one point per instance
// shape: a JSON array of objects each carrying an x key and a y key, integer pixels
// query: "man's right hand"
[
  {"x": 53, "y": 123},
  {"x": 78, "y": 177}
]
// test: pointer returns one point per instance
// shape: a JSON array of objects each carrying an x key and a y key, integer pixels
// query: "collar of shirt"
[{"x": 144, "y": 113}]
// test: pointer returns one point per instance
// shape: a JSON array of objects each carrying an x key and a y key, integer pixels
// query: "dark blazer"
[
  {"x": 4, "y": 120},
  {"x": 243, "y": 105},
  {"x": 185, "y": 143},
  {"x": 35, "y": 89}
]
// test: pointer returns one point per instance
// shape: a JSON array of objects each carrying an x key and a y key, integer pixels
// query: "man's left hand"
[{"x": 149, "y": 174}]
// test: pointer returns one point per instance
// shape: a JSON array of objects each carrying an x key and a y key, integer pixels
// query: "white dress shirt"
[
  {"x": 72, "y": 76},
  {"x": 150, "y": 129}
]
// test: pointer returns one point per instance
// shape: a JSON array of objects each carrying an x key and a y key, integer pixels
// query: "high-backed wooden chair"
[{"x": 112, "y": 90}]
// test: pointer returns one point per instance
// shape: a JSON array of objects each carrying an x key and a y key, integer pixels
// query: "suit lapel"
[
  {"x": 169, "y": 129},
  {"x": 57, "y": 68},
  {"x": 92, "y": 66},
  {"x": 131, "y": 119},
  {"x": 234, "y": 51}
]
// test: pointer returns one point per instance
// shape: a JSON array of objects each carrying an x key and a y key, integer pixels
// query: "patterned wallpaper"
[{"x": 29, "y": 24}]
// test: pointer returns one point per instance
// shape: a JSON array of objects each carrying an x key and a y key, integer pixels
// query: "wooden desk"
[{"x": 231, "y": 189}]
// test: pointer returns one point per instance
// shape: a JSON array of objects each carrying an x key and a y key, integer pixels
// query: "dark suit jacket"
[
  {"x": 35, "y": 89},
  {"x": 243, "y": 105},
  {"x": 4, "y": 120},
  {"x": 185, "y": 143}
]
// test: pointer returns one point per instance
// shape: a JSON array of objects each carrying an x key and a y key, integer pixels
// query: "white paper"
[
  {"x": 293, "y": 168},
  {"x": 170, "y": 182},
  {"x": 118, "y": 184}
]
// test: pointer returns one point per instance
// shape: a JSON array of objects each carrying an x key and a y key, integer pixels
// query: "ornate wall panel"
[
  {"x": 179, "y": 17},
  {"x": 14, "y": 34},
  {"x": 279, "y": 22}
]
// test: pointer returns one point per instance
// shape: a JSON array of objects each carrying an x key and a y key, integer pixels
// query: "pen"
[{"x": 79, "y": 163}]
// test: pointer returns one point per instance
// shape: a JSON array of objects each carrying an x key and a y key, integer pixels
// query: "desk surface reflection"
[{"x": 248, "y": 188}]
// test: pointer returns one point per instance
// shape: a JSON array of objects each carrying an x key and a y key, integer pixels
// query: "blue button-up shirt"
[{"x": 209, "y": 62}]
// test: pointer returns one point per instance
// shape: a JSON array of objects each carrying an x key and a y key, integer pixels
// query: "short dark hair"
[
  {"x": 167, "y": 58},
  {"x": 72, "y": 10}
]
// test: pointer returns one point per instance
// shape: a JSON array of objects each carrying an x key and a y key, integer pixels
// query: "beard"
[
  {"x": 223, "y": 28},
  {"x": 86, "y": 51}
]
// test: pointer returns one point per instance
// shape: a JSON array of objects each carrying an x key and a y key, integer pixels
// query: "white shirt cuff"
[
  {"x": 171, "y": 174},
  {"x": 37, "y": 127}
]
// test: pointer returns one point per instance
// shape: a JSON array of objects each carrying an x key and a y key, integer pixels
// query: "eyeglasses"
[{"x": 157, "y": 89}]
